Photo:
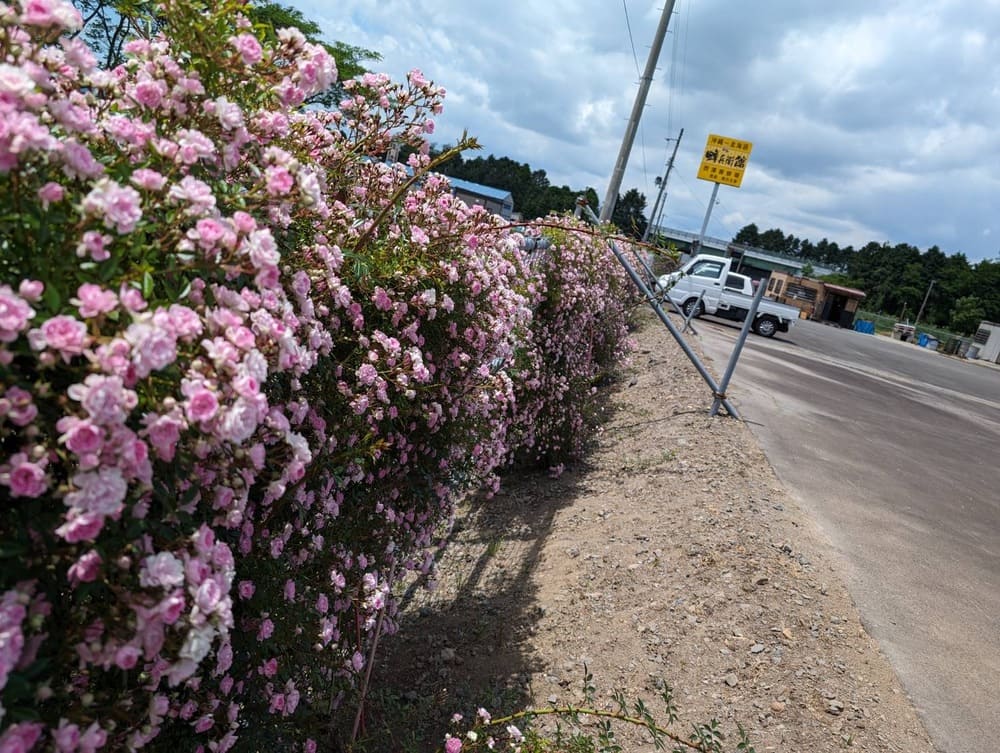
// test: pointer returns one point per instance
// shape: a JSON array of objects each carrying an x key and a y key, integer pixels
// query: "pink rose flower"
[
  {"x": 147, "y": 179},
  {"x": 62, "y": 333},
  {"x": 119, "y": 206},
  {"x": 202, "y": 405},
  {"x": 94, "y": 245},
  {"x": 153, "y": 348},
  {"x": 92, "y": 739},
  {"x": 80, "y": 526},
  {"x": 26, "y": 479},
  {"x": 56, "y": 13},
  {"x": 127, "y": 657},
  {"x": 14, "y": 314},
  {"x": 17, "y": 405},
  {"x": 279, "y": 181},
  {"x": 20, "y": 738},
  {"x": 131, "y": 298},
  {"x": 163, "y": 432},
  {"x": 100, "y": 492},
  {"x": 248, "y": 48},
  {"x": 80, "y": 435},
  {"x": 85, "y": 569},
  {"x": 31, "y": 290},
  {"x": 50, "y": 193},
  {"x": 93, "y": 300},
  {"x": 104, "y": 398},
  {"x": 208, "y": 596},
  {"x": 163, "y": 570},
  {"x": 67, "y": 737},
  {"x": 266, "y": 630}
]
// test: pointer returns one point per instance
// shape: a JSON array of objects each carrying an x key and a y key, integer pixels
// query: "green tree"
[
  {"x": 748, "y": 235},
  {"x": 967, "y": 314},
  {"x": 773, "y": 240},
  {"x": 533, "y": 195},
  {"x": 628, "y": 215}
]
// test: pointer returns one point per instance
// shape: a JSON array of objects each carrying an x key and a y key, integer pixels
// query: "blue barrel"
[{"x": 922, "y": 339}]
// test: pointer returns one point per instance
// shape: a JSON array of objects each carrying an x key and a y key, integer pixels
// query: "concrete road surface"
[{"x": 895, "y": 452}]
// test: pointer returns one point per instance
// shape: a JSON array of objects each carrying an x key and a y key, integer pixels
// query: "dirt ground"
[{"x": 672, "y": 553}]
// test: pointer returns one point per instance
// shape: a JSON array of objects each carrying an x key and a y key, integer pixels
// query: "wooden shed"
[{"x": 817, "y": 300}]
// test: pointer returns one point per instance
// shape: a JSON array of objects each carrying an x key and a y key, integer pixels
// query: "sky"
[{"x": 871, "y": 120}]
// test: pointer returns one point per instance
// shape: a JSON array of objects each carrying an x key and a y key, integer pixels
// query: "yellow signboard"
[{"x": 724, "y": 160}]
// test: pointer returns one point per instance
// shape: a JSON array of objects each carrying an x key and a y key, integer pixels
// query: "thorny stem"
[
  {"x": 371, "y": 662},
  {"x": 573, "y": 710},
  {"x": 464, "y": 144}
]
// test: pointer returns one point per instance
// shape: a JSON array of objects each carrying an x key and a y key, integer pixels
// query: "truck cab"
[{"x": 707, "y": 285}]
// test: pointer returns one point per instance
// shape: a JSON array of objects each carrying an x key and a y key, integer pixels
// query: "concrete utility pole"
[
  {"x": 663, "y": 188},
  {"x": 921, "y": 312},
  {"x": 611, "y": 197}
]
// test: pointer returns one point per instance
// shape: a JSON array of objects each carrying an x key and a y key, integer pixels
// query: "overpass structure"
[{"x": 755, "y": 262}]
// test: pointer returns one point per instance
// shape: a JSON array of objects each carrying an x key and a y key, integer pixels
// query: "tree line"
[{"x": 896, "y": 278}]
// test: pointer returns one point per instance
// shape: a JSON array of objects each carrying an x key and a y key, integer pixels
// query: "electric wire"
[{"x": 635, "y": 59}]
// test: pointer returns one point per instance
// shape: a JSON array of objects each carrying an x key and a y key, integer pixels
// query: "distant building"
[
  {"x": 818, "y": 300},
  {"x": 495, "y": 200},
  {"x": 987, "y": 340}
]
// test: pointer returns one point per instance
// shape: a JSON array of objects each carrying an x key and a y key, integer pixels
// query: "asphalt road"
[{"x": 894, "y": 451}]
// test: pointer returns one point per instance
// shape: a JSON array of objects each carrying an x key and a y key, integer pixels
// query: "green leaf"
[
  {"x": 52, "y": 298},
  {"x": 17, "y": 688},
  {"x": 147, "y": 285}
]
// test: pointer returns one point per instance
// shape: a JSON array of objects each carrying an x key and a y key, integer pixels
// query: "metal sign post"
[{"x": 723, "y": 161}]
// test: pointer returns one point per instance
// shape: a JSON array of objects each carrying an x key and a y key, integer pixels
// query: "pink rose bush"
[{"x": 247, "y": 370}]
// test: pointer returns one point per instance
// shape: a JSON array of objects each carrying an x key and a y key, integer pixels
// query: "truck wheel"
[
  {"x": 693, "y": 304},
  {"x": 766, "y": 326}
]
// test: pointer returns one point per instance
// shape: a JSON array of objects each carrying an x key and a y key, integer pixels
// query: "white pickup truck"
[{"x": 725, "y": 294}]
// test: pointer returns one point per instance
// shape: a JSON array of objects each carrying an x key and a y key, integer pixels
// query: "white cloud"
[{"x": 871, "y": 119}]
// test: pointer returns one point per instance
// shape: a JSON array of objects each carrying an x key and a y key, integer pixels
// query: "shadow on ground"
[{"x": 466, "y": 643}]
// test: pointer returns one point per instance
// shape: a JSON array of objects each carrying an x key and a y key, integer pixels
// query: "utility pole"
[
  {"x": 611, "y": 197},
  {"x": 663, "y": 188},
  {"x": 921, "y": 312}
]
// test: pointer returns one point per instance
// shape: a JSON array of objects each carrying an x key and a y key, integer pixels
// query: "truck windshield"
[{"x": 711, "y": 269}]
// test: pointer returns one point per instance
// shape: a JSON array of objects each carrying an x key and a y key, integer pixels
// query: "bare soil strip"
[{"x": 672, "y": 553}]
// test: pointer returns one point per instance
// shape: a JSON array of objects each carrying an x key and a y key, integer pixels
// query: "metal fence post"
[
  {"x": 720, "y": 397},
  {"x": 731, "y": 366}
]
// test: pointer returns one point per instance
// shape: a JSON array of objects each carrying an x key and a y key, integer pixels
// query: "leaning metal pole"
[
  {"x": 650, "y": 276},
  {"x": 720, "y": 396},
  {"x": 731, "y": 366}
]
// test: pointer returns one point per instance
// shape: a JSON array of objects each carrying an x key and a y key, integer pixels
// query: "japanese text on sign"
[{"x": 724, "y": 160}]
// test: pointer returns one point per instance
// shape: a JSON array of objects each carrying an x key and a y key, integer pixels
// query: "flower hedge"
[{"x": 246, "y": 369}]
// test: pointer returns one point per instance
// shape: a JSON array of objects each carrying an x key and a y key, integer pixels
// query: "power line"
[
  {"x": 635, "y": 59},
  {"x": 631, "y": 41}
]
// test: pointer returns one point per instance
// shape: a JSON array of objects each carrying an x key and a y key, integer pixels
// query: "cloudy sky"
[{"x": 870, "y": 119}]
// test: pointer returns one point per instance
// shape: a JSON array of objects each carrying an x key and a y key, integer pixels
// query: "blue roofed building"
[{"x": 495, "y": 200}]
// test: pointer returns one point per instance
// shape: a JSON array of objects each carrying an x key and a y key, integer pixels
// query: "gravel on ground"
[{"x": 670, "y": 554}]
